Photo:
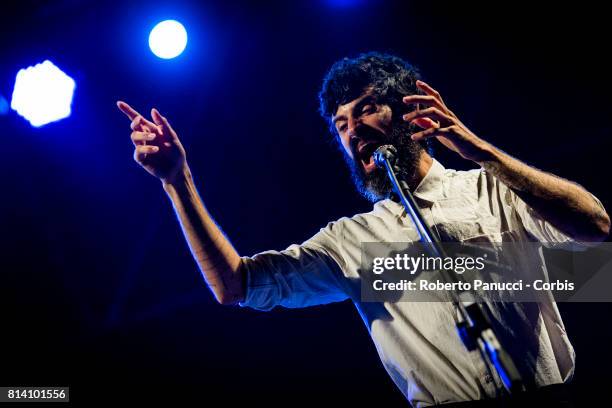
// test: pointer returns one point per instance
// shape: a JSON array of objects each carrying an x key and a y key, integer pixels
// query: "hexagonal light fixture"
[{"x": 42, "y": 94}]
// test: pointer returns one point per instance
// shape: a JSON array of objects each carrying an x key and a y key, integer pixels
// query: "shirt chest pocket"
[{"x": 459, "y": 219}]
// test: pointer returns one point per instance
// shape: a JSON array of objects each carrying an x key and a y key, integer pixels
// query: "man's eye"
[
  {"x": 342, "y": 127},
  {"x": 368, "y": 109}
]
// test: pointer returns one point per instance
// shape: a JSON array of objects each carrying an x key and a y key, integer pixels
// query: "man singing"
[{"x": 369, "y": 101}]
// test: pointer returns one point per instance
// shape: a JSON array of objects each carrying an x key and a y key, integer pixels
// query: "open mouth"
[{"x": 366, "y": 156}]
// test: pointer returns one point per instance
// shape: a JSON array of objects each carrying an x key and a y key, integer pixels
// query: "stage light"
[
  {"x": 42, "y": 94},
  {"x": 168, "y": 39}
]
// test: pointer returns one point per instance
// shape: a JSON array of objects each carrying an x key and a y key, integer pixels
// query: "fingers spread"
[
  {"x": 431, "y": 113},
  {"x": 426, "y": 100}
]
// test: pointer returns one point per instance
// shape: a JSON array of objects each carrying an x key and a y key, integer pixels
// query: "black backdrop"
[{"x": 97, "y": 286}]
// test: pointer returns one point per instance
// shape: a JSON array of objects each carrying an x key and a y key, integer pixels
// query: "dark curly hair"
[{"x": 389, "y": 76}]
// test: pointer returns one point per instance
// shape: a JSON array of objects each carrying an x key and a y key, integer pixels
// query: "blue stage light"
[
  {"x": 168, "y": 39},
  {"x": 42, "y": 94}
]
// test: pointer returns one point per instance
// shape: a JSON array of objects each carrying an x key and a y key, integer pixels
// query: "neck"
[{"x": 422, "y": 168}]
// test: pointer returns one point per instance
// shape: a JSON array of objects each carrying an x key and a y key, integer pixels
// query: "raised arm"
[
  {"x": 564, "y": 204},
  {"x": 159, "y": 151}
]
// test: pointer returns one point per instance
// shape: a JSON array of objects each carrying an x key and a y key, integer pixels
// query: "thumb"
[{"x": 162, "y": 122}]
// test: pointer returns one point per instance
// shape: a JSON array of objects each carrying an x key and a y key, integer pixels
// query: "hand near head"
[
  {"x": 157, "y": 147},
  {"x": 438, "y": 121}
]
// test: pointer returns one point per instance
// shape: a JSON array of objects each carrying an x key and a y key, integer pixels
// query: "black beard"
[{"x": 376, "y": 186}]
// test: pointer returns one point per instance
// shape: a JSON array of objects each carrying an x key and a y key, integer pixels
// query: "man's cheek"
[{"x": 346, "y": 149}]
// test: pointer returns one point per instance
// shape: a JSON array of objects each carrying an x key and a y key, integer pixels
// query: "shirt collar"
[{"x": 430, "y": 188}]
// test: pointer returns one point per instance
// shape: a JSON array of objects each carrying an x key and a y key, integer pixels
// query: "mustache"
[
  {"x": 368, "y": 135},
  {"x": 399, "y": 130}
]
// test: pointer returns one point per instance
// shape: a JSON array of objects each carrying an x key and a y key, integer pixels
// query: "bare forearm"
[
  {"x": 218, "y": 261},
  {"x": 566, "y": 205}
]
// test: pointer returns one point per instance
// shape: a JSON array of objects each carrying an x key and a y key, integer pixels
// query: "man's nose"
[{"x": 353, "y": 127}]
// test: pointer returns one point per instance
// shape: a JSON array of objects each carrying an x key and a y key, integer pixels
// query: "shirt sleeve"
[{"x": 301, "y": 275}]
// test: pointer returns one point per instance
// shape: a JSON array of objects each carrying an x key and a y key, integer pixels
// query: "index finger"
[
  {"x": 133, "y": 114},
  {"x": 427, "y": 100},
  {"x": 128, "y": 110},
  {"x": 425, "y": 87}
]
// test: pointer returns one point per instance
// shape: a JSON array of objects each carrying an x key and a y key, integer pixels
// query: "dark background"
[{"x": 97, "y": 287}]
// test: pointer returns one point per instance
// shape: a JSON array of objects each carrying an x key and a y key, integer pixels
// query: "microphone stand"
[{"x": 474, "y": 323}]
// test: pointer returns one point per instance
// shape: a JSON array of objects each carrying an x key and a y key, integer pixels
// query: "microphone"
[{"x": 384, "y": 153}]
